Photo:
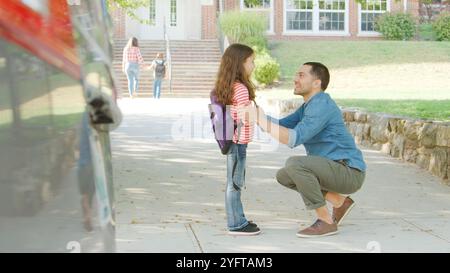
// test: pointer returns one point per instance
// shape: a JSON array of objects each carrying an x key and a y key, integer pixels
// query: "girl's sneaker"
[{"x": 248, "y": 230}]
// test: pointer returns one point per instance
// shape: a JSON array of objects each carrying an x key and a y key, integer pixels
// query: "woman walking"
[{"x": 131, "y": 60}]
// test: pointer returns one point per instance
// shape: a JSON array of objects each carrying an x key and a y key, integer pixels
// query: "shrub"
[
  {"x": 267, "y": 69},
  {"x": 257, "y": 43},
  {"x": 249, "y": 28},
  {"x": 396, "y": 26},
  {"x": 442, "y": 27},
  {"x": 239, "y": 26}
]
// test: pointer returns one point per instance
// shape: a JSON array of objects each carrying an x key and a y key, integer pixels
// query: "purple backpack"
[{"x": 223, "y": 124}]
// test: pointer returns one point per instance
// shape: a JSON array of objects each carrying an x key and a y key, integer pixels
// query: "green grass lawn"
[
  {"x": 403, "y": 78},
  {"x": 426, "y": 32},
  {"x": 430, "y": 109},
  {"x": 350, "y": 54}
]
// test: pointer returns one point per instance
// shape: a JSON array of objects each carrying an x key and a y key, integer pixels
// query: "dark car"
[{"x": 57, "y": 107}]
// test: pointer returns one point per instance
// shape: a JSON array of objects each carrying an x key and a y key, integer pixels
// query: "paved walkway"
[{"x": 170, "y": 181}]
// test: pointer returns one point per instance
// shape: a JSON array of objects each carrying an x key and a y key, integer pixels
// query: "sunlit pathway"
[{"x": 170, "y": 181}]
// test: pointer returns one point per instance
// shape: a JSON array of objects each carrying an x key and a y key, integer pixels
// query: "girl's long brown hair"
[{"x": 232, "y": 70}]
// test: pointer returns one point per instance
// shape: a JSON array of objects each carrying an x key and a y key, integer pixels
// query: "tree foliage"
[{"x": 130, "y": 7}]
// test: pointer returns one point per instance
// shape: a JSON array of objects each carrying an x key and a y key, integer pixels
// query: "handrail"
[
  {"x": 168, "y": 55},
  {"x": 223, "y": 39}
]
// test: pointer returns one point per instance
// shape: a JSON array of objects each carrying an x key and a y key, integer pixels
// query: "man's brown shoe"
[
  {"x": 342, "y": 211},
  {"x": 318, "y": 229}
]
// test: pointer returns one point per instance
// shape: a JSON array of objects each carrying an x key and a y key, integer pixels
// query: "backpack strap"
[{"x": 239, "y": 126}]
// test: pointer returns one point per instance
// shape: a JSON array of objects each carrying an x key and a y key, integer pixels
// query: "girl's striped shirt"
[{"x": 241, "y": 98}]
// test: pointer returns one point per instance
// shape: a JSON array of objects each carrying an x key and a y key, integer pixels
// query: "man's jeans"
[
  {"x": 235, "y": 181},
  {"x": 157, "y": 88},
  {"x": 132, "y": 70}
]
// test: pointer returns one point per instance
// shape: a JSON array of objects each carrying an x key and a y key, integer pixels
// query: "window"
[
  {"x": 299, "y": 15},
  {"x": 251, "y": 4},
  {"x": 332, "y": 15},
  {"x": 370, "y": 10},
  {"x": 173, "y": 13},
  {"x": 152, "y": 13},
  {"x": 316, "y": 16},
  {"x": 263, "y": 7}
]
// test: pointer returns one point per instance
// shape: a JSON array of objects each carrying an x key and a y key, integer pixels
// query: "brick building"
[{"x": 286, "y": 19}]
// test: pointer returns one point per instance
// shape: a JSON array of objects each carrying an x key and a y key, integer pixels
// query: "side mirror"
[{"x": 103, "y": 111}]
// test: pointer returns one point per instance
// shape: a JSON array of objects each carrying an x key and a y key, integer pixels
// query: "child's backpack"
[
  {"x": 223, "y": 124},
  {"x": 160, "y": 70}
]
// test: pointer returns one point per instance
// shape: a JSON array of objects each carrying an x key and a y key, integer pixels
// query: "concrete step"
[
  {"x": 191, "y": 72},
  {"x": 179, "y": 85},
  {"x": 148, "y": 54},
  {"x": 151, "y": 54},
  {"x": 186, "y": 56},
  {"x": 174, "y": 93},
  {"x": 175, "y": 67},
  {"x": 188, "y": 62},
  {"x": 119, "y": 42},
  {"x": 194, "y": 67},
  {"x": 194, "y": 45},
  {"x": 174, "y": 84},
  {"x": 183, "y": 82},
  {"x": 187, "y": 74},
  {"x": 174, "y": 49},
  {"x": 193, "y": 57},
  {"x": 182, "y": 63},
  {"x": 175, "y": 78}
]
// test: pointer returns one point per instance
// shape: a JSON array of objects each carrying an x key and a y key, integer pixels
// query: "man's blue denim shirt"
[{"x": 319, "y": 126}]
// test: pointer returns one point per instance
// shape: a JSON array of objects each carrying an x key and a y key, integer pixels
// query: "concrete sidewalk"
[{"x": 170, "y": 190}]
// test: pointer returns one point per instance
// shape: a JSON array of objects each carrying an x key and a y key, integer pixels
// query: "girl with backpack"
[
  {"x": 234, "y": 89},
  {"x": 159, "y": 73}
]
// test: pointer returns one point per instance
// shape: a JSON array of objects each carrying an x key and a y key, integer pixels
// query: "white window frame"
[
  {"x": 152, "y": 7},
  {"x": 338, "y": 12},
  {"x": 364, "y": 33},
  {"x": 271, "y": 13},
  {"x": 296, "y": 32},
  {"x": 173, "y": 23},
  {"x": 315, "y": 21}
]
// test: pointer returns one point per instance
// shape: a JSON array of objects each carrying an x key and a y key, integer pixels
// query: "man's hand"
[
  {"x": 247, "y": 113},
  {"x": 262, "y": 119},
  {"x": 278, "y": 132}
]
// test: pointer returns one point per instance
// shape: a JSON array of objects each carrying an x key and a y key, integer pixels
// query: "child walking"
[
  {"x": 234, "y": 88},
  {"x": 159, "y": 73}
]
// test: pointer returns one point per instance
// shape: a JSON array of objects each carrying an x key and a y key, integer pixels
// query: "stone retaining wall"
[{"x": 425, "y": 143}]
